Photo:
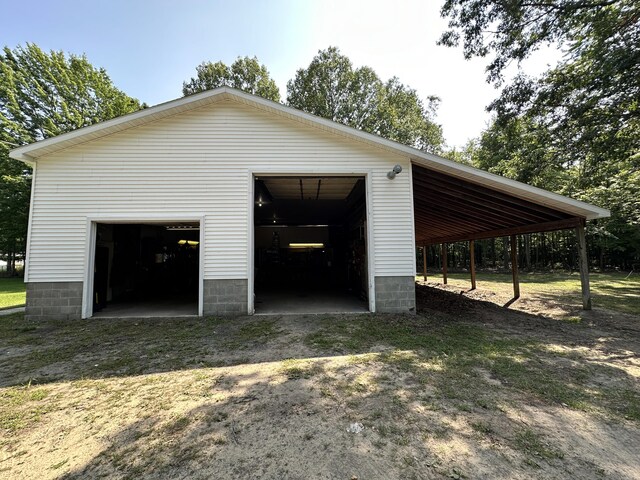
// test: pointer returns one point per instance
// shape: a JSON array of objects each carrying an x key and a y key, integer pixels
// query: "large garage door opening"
[
  {"x": 146, "y": 270},
  {"x": 310, "y": 245}
]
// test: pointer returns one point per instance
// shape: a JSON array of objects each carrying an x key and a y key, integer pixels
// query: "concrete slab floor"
[
  {"x": 149, "y": 308},
  {"x": 11, "y": 311},
  {"x": 286, "y": 301}
]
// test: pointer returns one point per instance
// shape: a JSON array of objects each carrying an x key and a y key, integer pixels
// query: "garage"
[
  {"x": 310, "y": 241},
  {"x": 146, "y": 269},
  {"x": 225, "y": 203}
]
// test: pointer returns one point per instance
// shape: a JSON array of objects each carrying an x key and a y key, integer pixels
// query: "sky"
[{"x": 149, "y": 48}]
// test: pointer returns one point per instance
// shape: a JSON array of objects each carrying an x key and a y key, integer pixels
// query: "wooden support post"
[
  {"x": 514, "y": 267},
  {"x": 444, "y": 263},
  {"x": 583, "y": 261},
  {"x": 472, "y": 263},
  {"x": 424, "y": 262}
]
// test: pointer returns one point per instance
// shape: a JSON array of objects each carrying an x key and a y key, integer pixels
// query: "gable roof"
[{"x": 30, "y": 153}]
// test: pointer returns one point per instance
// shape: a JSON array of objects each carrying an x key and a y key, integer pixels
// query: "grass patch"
[
  {"x": 572, "y": 319},
  {"x": 533, "y": 444},
  {"x": 419, "y": 383},
  {"x": 295, "y": 369},
  {"x": 482, "y": 427},
  {"x": 447, "y": 356},
  {"x": 12, "y": 292},
  {"x": 176, "y": 425},
  {"x": 261, "y": 330},
  {"x": 22, "y": 406},
  {"x": 59, "y": 464},
  {"x": 90, "y": 348},
  {"x": 252, "y": 333}
]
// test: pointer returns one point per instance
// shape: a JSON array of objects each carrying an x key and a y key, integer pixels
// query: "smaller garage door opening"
[
  {"x": 310, "y": 245},
  {"x": 146, "y": 270}
]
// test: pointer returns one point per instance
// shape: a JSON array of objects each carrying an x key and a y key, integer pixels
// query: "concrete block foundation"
[
  {"x": 395, "y": 294},
  {"x": 54, "y": 301},
  {"x": 225, "y": 297}
]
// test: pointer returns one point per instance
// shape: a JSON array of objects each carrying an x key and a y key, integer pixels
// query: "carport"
[{"x": 465, "y": 204}]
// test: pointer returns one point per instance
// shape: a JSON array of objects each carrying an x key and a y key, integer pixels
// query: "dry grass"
[{"x": 464, "y": 389}]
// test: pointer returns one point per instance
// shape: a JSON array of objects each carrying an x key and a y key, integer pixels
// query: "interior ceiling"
[
  {"x": 308, "y": 200},
  {"x": 449, "y": 209},
  {"x": 309, "y": 188}
]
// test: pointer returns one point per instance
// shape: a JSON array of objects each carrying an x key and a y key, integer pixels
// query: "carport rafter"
[
  {"x": 468, "y": 201},
  {"x": 533, "y": 228}
]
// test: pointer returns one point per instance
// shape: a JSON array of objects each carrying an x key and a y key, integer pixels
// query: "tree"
[
  {"x": 332, "y": 88},
  {"x": 589, "y": 101},
  {"x": 466, "y": 155},
  {"x": 43, "y": 95},
  {"x": 245, "y": 74},
  {"x": 576, "y": 128}
]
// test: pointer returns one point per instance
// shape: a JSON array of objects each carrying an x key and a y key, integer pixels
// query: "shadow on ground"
[
  {"x": 463, "y": 388},
  {"x": 45, "y": 352}
]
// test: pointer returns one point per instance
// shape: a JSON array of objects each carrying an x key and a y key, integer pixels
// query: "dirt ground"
[{"x": 463, "y": 389}]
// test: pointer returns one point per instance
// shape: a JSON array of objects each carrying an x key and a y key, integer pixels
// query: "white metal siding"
[{"x": 197, "y": 164}]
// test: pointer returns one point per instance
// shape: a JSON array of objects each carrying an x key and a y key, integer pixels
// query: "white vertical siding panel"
[{"x": 197, "y": 163}]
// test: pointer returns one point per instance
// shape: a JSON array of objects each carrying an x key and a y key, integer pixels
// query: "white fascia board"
[{"x": 29, "y": 153}]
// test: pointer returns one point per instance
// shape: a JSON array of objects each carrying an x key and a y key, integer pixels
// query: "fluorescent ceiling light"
[
  {"x": 306, "y": 245},
  {"x": 191, "y": 243}
]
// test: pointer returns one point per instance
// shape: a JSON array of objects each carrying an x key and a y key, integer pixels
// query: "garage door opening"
[
  {"x": 310, "y": 245},
  {"x": 146, "y": 270}
]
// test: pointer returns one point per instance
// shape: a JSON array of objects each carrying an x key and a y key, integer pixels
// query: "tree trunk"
[
  {"x": 505, "y": 252},
  {"x": 9, "y": 264},
  {"x": 493, "y": 253},
  {"x": 527, "y": 251}
]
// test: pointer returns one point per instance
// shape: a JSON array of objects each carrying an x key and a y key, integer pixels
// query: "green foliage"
[
  {"x": 42, "y": 95},
  {"x": 575, "y": 129},
  {"x": 519, "y": 149},
  {"x": 466, "y": 155},
  {"x": 245, "y": 74},
  {"x": 512, "y": 30},
  {"x": 332, "y": 88}
]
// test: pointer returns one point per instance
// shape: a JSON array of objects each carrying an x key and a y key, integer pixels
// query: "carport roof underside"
[{"x": 451, "y": 208}]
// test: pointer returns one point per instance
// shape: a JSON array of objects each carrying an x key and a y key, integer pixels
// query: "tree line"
[
  {"x": 536, "y": 252},
  {"x": 574, "y": 130}
]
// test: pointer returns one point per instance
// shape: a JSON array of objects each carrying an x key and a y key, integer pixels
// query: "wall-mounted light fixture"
[{"x": 396, "y": 170}]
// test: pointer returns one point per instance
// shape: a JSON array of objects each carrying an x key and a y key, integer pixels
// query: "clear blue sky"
[{"x": 150, "y": 47}]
